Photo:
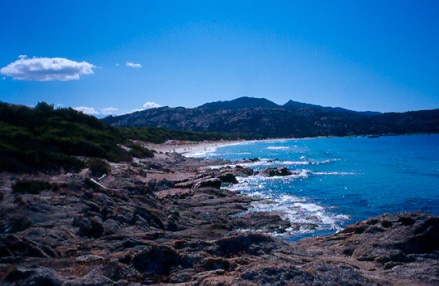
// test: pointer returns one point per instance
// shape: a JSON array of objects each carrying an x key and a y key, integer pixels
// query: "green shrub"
[
  {"x": 139, "y": 151},
  {"x": 45, "y": 139},
  {"x": 98, "y": 167},
  {"x": 161, "y": 135},
  {"x": 32, "y": 186}
]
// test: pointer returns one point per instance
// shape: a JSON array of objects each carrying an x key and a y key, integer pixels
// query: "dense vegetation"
[
  {"x": 47, "y": 139},
  {"x": 161, "y": 135}
]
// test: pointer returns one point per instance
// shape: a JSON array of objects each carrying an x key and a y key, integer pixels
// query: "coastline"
[{"x": 166, "y": 220}]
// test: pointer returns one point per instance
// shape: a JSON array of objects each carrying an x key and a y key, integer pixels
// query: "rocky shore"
[{"x": 165, "y": 220}]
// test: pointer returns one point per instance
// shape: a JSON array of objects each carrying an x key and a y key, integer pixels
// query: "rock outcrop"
[
  {"x": 144, "y": 230},
  {"x": 277, "y": 171}
]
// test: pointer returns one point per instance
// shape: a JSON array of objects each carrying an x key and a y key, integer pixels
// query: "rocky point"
[{"x": 167, "y": 220}]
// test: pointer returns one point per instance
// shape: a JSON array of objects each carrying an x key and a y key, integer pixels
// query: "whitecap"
[
  {"x": 278, "y": 147},
  {"x": 332, "y": 173}
]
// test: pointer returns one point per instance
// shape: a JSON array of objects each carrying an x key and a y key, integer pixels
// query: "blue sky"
[{"x": 118, "y": 56}]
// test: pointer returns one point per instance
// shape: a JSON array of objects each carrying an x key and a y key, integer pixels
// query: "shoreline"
[
  {"x": 176, "y": 225},
  {"x": 198, "y": 148},
  {"x": 191, "y": 148}
]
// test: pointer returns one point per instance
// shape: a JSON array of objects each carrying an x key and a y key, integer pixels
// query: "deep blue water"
[{"x": 339, "y": 181}]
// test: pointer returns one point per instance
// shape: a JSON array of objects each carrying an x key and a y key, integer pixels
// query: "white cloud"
[
  {"x": 46, "y": 69},
  {"x": 109, "y": 110},
  {"x": 87, "y": 110},
  {"x": 151, "y": 104},
  {"x": 103, "y": 112},
  {"x": 133, "y": 65}
]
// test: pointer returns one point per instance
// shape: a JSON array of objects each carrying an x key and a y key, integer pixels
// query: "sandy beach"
[{"x": 189, "y": 148}]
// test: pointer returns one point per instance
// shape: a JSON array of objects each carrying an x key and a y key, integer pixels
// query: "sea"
[{"x": 339, "y": 181}]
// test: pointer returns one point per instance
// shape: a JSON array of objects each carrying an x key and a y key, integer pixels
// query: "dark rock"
[
  {"x": 35, "y": 276},
  {"x": 214, "y": 183},
  {"x": 156, "y": 260},
  {"x": 19, "y": 224},
  {"x": 111, "y": 227},
  {"x": 277, "y": 275},
  {"x": 17, "y": 246},
  {"x": 89, "y": 228},
  {"x": 91, "y": 207},
  {"x": 171, "y": 223},
  {"x": 77, "y": 221},
  {"x": 425, "y": 238},
  {"x": 164, "y": 184},
  {"x": 211, "y": 263},
  {"x": 149, "y": 215},
  {"x": 253, "y": 243},
  {"x": 228, "y": 178},
  {"x": 241, "y": 171},
  {"x": 152, "y": 184},
  {"x": 4, "y": 250},
  {"x": 277, "y": 171},
  {"x": 261, "y": 221},
  {"x": 84, "y": 225}
]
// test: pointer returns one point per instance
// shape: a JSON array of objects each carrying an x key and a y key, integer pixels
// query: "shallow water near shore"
[{"x": 339, "y": 181}]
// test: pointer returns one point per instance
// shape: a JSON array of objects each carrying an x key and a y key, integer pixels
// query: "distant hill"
[
  {"x": 263, "y": 118},
  {"x": 299, "y": 105}
]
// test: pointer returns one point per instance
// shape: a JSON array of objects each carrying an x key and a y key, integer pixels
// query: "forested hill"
[{"x": 261, "y": 117}]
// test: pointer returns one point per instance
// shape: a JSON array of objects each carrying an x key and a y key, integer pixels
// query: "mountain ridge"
[
  {"x": 261, "y": 117},
  {"x": 241, "y": 103}
]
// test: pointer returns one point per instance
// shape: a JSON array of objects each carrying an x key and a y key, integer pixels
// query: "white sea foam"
[
  {"x": 296, "y": 209},
  {"x": 332, "y": 173},
  {"x": 278, "y": 147}
]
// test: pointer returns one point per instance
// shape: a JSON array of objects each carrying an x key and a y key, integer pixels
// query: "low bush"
[
  {"x": 32, "y": 186},
  {"x": 139, "y": 151},
  {"x": 98, "y": 167}
]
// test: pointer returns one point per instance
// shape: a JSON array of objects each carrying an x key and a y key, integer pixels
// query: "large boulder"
[
  {"x": 34, "y": 275},
  {"x": 277, "y": 171},
  {"x": 89, "y": 227},
  {"x": 228, "y": 178},
  {"x": 240, "y": 171},
  {"x": 383, "y": 239},
  {"x": 156, "y": 260}
]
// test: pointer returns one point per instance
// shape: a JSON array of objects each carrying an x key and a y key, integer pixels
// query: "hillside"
[
  {"x": 260, "y": 117},
  {"x": 48, "y": 139}
]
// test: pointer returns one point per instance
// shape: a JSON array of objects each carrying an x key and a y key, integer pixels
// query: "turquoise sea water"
[{"x": 339, "y": 181}]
